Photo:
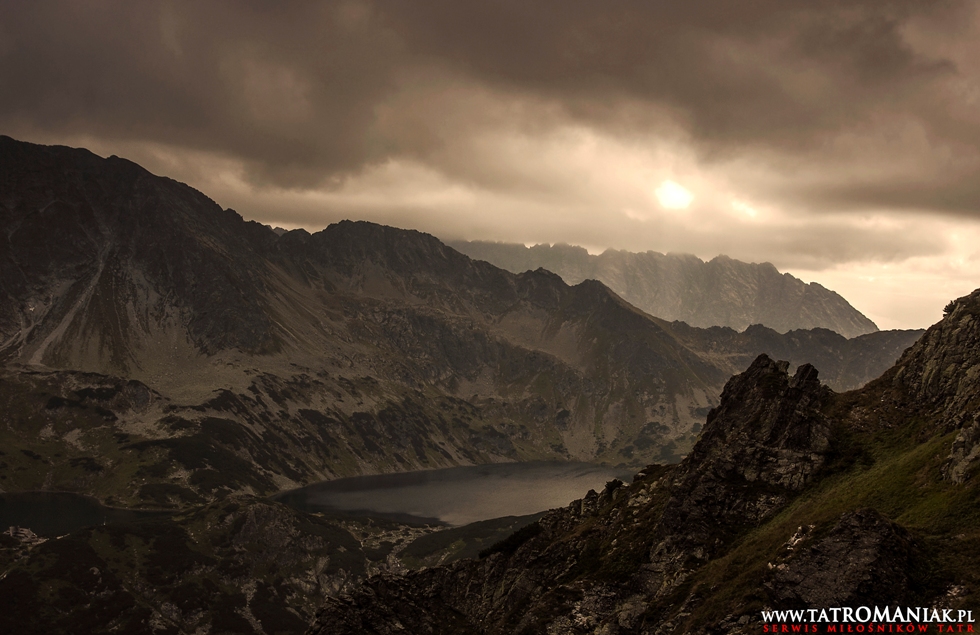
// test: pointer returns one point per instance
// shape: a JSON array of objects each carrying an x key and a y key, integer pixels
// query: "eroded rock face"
[
  {"x": 768, "y": 429},
  {"x": 939, "y": 378},
  {"x": 964, "y": 454},
  {"x": 865, "y": 560}
]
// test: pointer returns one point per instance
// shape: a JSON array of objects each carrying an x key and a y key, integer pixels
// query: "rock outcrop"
[
  {"x": 759, "y": 448},
  {"x": 941, "y": 373},
  {"x": 937, "y": 379},
  {"x": 865, "y": 560}
]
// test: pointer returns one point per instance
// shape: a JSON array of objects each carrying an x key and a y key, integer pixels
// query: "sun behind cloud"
[{"x": 673, "y": 195}]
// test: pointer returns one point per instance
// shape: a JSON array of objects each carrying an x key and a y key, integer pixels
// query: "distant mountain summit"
[{"x": 720, "y": 292}]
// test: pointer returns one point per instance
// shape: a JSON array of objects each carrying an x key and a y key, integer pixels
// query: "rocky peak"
[
  {"x": 94, "y": 249},
  {"x": 767, "y": 429},
  {"x": 348, "y": 244},
  {"x": 760, "y": 446}
]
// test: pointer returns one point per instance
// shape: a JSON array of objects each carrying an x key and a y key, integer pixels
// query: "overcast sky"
[{"x": 839, "y": 140}]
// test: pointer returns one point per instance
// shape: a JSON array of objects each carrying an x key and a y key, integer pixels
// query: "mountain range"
[
  {"x": 159, "y": 351},
  {"x": 719, "y": 292},
  {"x": 146, "y": 330}
]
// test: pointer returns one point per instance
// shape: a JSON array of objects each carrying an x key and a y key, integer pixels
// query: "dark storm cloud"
[
  {"x": 287, "y": 87},
  {"x": 303, "y": 92},
  {"x": 915, "y": 195},
  {"x": 767, "y": 71}
]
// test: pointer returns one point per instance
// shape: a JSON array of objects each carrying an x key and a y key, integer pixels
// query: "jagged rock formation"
[
  {"x": 942, "y": 373},
  {"x": 790, "y": 499},
  {"x": 939, "y": 378},
  {"x": 720, "y": 292},
  {"x": 760, "y": 447}
]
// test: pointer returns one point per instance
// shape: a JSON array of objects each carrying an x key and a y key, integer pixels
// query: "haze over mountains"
[{"x": 720, "y": 292}]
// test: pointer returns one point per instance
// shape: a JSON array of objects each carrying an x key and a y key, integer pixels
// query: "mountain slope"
[
  {"x": 90, "y": 249},
  {"x": 793, "y": 497},
  {"x": 846, "y": 364},
  {"x": 720, "y": 292}
]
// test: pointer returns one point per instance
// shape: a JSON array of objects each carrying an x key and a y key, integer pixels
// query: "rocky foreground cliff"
[{"x": 793, "y": 497}]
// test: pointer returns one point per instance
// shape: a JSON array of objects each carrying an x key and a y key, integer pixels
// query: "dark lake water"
[
  {"x": 55, "y": 514},
  {"x": 458, "y": 495}
]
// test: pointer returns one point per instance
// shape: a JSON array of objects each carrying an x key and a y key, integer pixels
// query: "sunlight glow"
[{"x": 673, "y": 196}]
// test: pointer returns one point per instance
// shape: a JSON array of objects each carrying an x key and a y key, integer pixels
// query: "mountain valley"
[
  {"x": 161, "y": 352},
  {"x": 158, "y": 349},
  {"x": 794, "y": 497}
]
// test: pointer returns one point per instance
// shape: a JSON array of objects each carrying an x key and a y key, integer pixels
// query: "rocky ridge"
[{"x": 719, "y": 292}]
